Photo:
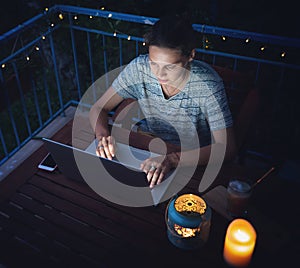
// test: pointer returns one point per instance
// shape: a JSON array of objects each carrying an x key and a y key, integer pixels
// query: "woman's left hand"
[{"x": 157, "y": 167}]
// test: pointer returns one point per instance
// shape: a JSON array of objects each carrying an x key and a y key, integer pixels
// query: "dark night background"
[{"x": 263, "y": 16}]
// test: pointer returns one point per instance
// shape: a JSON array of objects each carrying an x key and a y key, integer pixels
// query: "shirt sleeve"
[{"x": 126, "y": 83}]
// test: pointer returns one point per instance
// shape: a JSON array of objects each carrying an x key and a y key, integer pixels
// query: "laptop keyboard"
[{"x": 126, "y": 155}]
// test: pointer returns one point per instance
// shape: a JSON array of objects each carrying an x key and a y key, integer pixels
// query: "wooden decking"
[{"x": 47, "y": 220}]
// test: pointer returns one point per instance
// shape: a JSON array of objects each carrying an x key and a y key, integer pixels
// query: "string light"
[
  {"x": 110, "y": 15},
  {"x": 27, "y": 56}
]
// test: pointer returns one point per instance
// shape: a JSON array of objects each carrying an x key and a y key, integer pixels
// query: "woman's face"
[{"x": 168, "y": 65}]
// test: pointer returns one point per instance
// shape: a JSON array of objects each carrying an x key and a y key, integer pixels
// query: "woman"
[{"x": 183, "y": 100}]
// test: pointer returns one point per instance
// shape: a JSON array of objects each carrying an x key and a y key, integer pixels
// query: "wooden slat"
[
  {"x": 55, "y": 217},
  {"x": 18, "y": 176},
  {"x": 152, "y": 215},
  {"x": 99, "y": 207},
  {"x": 80, "y": 246},
  {"x": 108, "y": 223},
  {"x": 16, "y": 253},
  {"x": 47, "y": 247},
  {"x": 15, "y": 179}
]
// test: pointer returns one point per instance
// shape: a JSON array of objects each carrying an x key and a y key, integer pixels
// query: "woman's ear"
[{"x": 192, "y": 55}]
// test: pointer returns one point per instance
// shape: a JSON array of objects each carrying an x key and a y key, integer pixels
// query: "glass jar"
[{"x": 188, "y": 221}]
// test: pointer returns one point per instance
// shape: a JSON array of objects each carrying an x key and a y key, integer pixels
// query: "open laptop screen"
[{"x": 122, "y": 172}]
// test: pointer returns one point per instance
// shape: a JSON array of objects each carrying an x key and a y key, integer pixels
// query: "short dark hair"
[{"x": 172, "y": 31}]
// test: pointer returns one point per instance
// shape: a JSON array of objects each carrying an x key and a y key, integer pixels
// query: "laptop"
[
  {"x": 85, "y": 166},
  {"x": 127, "y": 171}
]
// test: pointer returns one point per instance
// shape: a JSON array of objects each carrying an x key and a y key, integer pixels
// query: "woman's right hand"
[{"x": 106, "y": 147}]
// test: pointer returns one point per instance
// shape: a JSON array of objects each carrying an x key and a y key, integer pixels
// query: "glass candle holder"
[{"x": 188, "y": 221}]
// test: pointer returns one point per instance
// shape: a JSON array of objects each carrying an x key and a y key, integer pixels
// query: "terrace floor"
[{"x": 48, "y": 220}]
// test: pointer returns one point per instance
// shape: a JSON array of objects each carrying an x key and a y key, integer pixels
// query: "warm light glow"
[
  {"x": 3, "y": 65},
  {"x": 283, "y": 54},
  {"x": 115, "y": 34},
  {"x": 46, "y": 9},
  {"x": 262, "y": 48},
  {"x": 75, "y": 17},
  {"x": 37, "y": 48},
  {"x": 223, "y": 38},
  {"x": 27, "y": 58},
  {"x": 239, "y": 243},
  {"x": 102, "y": 8},
  {"x": 247, "y": 40},
  {"x": 52, "y": 24},
  {"x": 129, "y": 37},
  {"x": 91, "y": 17},
  {"x": 186, "y": 232},
  {"x": 190, "y": 203},
  {"x": 43, "y": 37},
  {"x": 60, "y": 16},
  {"x": 241, "y": 236},
  {"x": 144, "y": 43}
]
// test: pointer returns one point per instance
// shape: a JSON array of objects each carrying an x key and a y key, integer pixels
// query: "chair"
[{"x": 244, "y": 101}]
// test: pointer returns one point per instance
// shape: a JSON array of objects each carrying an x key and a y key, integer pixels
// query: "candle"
[{"x": 239, "y": 243}]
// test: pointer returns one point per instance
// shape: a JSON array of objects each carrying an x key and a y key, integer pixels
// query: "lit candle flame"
[{"x": 241, "y": 236}]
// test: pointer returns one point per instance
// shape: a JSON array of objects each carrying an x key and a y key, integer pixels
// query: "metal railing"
[{"x": 48, "y": 62}]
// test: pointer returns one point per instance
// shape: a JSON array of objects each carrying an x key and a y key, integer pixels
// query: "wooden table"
[{"x": 47, "y": 220}]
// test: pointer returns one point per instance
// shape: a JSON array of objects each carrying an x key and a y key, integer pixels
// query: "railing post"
[
  {"x": 75, "y": 56},
  {"x": 22, "y": 98},
  {"x": 105, "y": 60},
  {"x": 36, "y": 101},
  {"x": 56, "y": 75},
  {"x": 1, "y": 134},
  {"x": 91, "y": 65}
]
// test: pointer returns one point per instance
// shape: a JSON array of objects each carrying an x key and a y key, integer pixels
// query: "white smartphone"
[{"x": 48, "y": 163}]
